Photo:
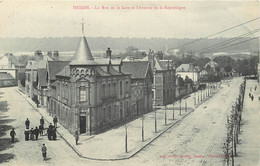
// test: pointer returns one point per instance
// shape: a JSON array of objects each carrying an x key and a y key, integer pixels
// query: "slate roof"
[
  {"x": 105, "y": 61},
  {"x": 5, "y": 76},
  {"x": 65, "y": 72},
  {"x": 83, "y": 55},
  {"x": 42, "y": 77},
  {"x": 137, "y": 69},
  {"x": 55, "y": 67}
]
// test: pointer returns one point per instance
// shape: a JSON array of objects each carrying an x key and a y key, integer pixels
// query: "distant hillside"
[{"x": 101, "y": 43}]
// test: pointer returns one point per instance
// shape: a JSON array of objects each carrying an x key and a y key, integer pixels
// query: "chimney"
[
  {"x": 55, "y": 55},
  {"x": 109, "y": 53},
  {"x": 38, "y": 55},
  {"x": 10, "y": 60}
]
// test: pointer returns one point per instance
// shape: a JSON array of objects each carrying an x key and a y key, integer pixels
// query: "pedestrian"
[
  {"x": 249, "y": 94},
  {"x": 55, "y": 121},
  {"x": 32, "y": 134},
  {"x": 26, "y": 133},
  {"x": 44, "y": 151},
  {"x": 41, "y": 130},
  {"x": 27, "y": 123},
  {"x": 252, "y": 98},
  {"x": 255, "y": 88},
  {"x": 42, "y": 122},
  {"x": 36, "y": 132},
  {"x": 37, "y": 102},
  {"x": 12, "y": 134},
  {"x": 76, "y": 137}
]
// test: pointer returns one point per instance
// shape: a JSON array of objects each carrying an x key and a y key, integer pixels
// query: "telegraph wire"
[
  {"x": 228, "y": 41},
  {"x": 235, "y": 44},
  {"x": 219, "y": 32}
]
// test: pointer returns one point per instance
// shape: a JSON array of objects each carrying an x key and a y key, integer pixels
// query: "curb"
[{"x": 136, "y": 152}]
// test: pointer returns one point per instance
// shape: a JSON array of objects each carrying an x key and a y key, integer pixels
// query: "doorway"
[{"x": 82, "y": 124}]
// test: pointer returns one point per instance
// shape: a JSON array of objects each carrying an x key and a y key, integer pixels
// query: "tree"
[
  {"x": 133, "y": 51},
  {"x": 227, "y": 68}
]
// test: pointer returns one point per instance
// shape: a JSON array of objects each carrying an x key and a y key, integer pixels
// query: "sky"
[{"x": 59, "y": 19}]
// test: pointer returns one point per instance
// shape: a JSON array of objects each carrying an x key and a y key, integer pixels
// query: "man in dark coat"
[
  {"x": 12, "y": 134},
  {"x": 44, "y": 151},
  {"x": 26, "y": 133},
  {"x": 27, "y": 123},
  {"x": 55, "y": 121},
  {"x": 36, "y": 132},
  {"x": 32, "y": 134},
  {"x": 76, "y": 137},
  {"x": 42, "y": 123},
  {"x": 41, "y": 130}
]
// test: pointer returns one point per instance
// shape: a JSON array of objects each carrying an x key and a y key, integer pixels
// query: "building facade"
[
  {"x": 141, "y": 86},
  {"x": 163, "y": 91},
  {"x": 88, "y": 96}
]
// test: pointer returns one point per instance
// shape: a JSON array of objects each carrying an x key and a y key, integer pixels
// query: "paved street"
[{"x": 200, "y": 133}]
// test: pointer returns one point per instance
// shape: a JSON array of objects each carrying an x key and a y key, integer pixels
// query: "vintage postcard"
[{"x": 129, "y": 83}]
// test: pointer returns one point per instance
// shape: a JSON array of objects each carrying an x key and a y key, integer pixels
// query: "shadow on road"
[
  {"x": 4, "y": 130},
  {"x": 6, "y": 157}
]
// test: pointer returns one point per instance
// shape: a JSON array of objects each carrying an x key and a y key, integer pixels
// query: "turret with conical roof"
[{"x": 83, "y": 55}]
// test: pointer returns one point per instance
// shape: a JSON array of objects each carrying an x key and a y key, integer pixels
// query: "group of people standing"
[{"x": 33, "y": 133}]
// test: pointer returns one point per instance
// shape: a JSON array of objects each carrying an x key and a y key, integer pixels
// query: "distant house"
[
  {"x": 188, "y": 70},
  {"x": 141, "y": 85},
  {"x": 36, "y": 78},
  {"x": 7, "y": 65},
  {"x": 6, "y": 80},
  {"x": 211, "y": 64}
]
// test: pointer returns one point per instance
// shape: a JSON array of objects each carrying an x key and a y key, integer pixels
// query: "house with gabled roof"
[{"x": 163, "y": 91}]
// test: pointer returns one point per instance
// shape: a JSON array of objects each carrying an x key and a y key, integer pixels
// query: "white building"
[{"x": 188, "y": 70}]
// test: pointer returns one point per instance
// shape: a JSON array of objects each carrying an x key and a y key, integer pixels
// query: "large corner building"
[{"x": 88, "y": 95}]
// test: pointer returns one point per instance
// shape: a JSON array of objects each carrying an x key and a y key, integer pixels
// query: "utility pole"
[
  {"x": 143, "y": 128},
  {"x": 185, "y": 105},
  {"x": 201, "y": 94},
  {"x": 125, "y": 138},
  {"x": 173, "y": 110},
  {"x": 180, "y": 106},
  {"x": 155, "y": 122},
  {"x": 165, "y": 115}
]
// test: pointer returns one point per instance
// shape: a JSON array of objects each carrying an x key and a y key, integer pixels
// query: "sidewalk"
[
  {"x": 110, "y": 145},
  {"x": 249, "y": 140}
]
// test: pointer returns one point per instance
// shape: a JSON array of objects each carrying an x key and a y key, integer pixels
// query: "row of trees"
[{"x": 233, "y": 127}]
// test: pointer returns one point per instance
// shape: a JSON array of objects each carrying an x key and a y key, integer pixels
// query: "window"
[
  {"x": 126, "y": 86},
  {"x": 103, "y": 90},
  {"x": 109, "y": 89},
  {"x": 121, "y": 90},
  {"x": 114, "y": 88},
  {"x": 82, "y": 94},
  {"x": 109, "y": 113},
  {"x": 104, "y": 114}
]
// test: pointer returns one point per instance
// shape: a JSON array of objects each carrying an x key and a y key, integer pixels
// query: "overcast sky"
[{"x": 58, "y": 19}]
